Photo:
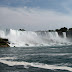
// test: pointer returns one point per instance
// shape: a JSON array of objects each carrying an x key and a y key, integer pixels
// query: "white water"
[
  {"x": 30, "y": 38},
  {"x": 39, "y": 65}
]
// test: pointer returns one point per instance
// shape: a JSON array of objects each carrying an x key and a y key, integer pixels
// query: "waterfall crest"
[{"x": 31, "y": 38}]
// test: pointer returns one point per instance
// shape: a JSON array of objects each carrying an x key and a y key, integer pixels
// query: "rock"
[
  {"x": 4, "y": 43},
  {"x": 14, "y": 46},
  {"x": 5, "y": 40},
  {"x": 27, "y": 44}
]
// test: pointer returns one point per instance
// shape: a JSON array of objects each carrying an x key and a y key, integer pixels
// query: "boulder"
[{"x": 4, "y": 42}]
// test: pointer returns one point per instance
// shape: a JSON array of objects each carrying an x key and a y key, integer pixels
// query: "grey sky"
[{"x": 35, "y": 14}]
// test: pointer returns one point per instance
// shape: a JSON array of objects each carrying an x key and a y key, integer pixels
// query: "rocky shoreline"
[{"x": 4, "y": 42}]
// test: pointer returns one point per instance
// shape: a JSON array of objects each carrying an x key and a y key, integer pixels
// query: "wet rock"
[
  {"x": 27, "y": 44},
  {"x": 4, "y": 42}
]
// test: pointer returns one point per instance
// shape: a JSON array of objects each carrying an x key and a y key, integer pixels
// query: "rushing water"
[
  {"x": 36, "y": 59},
  {"x": 35, "y": 52},
  {"x": 30, "y": 38}
]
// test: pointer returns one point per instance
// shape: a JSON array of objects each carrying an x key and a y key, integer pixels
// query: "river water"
[{"x": 36, "y": 59}]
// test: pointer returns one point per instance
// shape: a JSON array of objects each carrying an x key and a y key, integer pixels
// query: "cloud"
[
  {"x": 33, "y": 18},
  {"x": 67, "y": 5},
  {"x": 14, "y": 3}
]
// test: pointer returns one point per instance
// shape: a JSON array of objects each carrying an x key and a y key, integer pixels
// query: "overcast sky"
[{"x": 35, "y": 14}]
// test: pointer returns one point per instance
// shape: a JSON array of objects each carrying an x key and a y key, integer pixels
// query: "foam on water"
[
  {"x": 30, "y": 38},
  {"x": 39, "y": 65},
  {"x": 51, "y": 54}
]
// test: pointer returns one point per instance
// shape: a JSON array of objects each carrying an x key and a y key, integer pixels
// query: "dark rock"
[
  {"x": 5, "y": 39},
  {"x": 4, "y": 43},
  {"x": 27, "y": 44}
]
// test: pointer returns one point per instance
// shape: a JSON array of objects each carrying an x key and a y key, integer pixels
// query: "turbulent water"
[
  {"x": 29, "y": 38},
  {"x": 36, "y": 59},
  {"x": 35, "y": 52}
]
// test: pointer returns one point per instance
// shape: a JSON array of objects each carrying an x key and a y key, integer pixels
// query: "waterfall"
[
  {"x": 64, "y": 34},
  {"x": 31, "y": 38}
]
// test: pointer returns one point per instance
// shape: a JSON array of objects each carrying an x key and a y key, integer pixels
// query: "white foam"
[
  {"x": 51, "y": 54},
  {"x": 64, "y": 34},
  {"x": 39, "y": 65},
  {"x": 30, "y": 38}
]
